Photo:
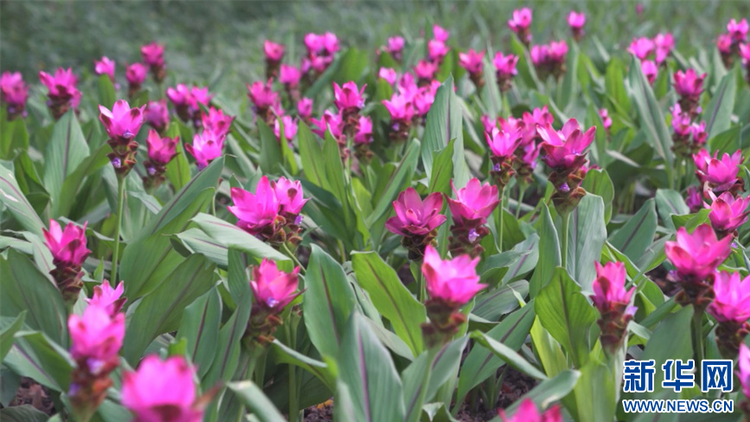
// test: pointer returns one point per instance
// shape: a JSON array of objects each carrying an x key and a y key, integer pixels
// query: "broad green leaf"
[
  {"x": 252, "y": 396},
  {"x": 398, "y": 179},
  {"x": 13, "y": 136},
  {"x": 496, "y": 303},
  {"x": 567, "y": 315},
  {"x": 22, "y": 413},
  {"x": 670, "y": 340},
  {"x": 106, "y": 91},
  {"x": 669, "y": 202},
  {"x": 319, "y": 369},
  {"x": 311, "y": 155},
  {"x": 231, "y": 236},
  {"x": 718, "y": 113},
  {"x": 7, "y": 333},
  {"x": 197, "y": 241},
  {"x": 528, "y": 251},
  {"x": 67, "y": 148},
  {"x": 599, "y": 183},
  {"x": 549, "y": 253},
  {"x": 507, "y": 354},
  {"x": 586, "y": 236},
  {"x": 442, "y": 171},
  {"x": 391, "y": 298},
  {"x": 596, "y": 381},
  {"x": 569, "y": 86},
  {"x": 71, "y": 186},
  {"x": 178, "y": 169},
  {"x": 200, "y": 329},
  {"x": 637, "y": 234},
  {"x": 271, "y": 160},
  {"x": 36, "y": 356},
  {"x": 14, "y": 200}
]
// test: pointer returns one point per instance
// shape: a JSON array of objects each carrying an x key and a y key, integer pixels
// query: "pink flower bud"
[
  {"x": 724, "y": 43},
  {"x": 437, "y": 50},
  {"x": 576, "y": 21},
  {"x": 161, "y": 150},
  {"x": 207, "y": 146},
  {"x": 502, "y": 143},
  {"x": 521, "y": 20},
  {"x": 156, "y": 114},
  {"x": 606, "y": 120},
  {"x": 719, "y": 174},
  {"x": 255, "y": 211},
  {"x": 388, "y": 74},
  {"x": 153, "y": 54},
  {"x": 680, "y": 120},
  {"x": 273, "y": 289},
  {"x": 539, "y": 55},
  {"x": 557, "y": 51},
  {"x": 732, "y": 302},
  {"x": 664, "y": 43},
  {"x": 217, "y": 122},
  {"x": 400, "y": 108},
  {"x": 696, "y": 255},
  {"x": 425, "y": 69},
  {"x": 262, "y": 95},
  {"x": 96, "y": 336},
  {"x": 738, "y": 30},
  {"x": 364, "y": 131},
  {"x": 415, "y": 216},
  {"x": 107, "y": 298},
  {"x": 641, "y": 48},
  {"x": 565, "y": 150},
  {"x": 13, "y": 90},
  {"x": 650, "y": 70},
  {"x": 440, "y": 33},
  {"x": 105, "y": 66},
  {"x": 274, "y": 52},
  {"x": 452, "y": 281},
  {"x": 304, "y": 107},
  {"x": 688, "y": 83},
  {"x": 67, "y": 246},
  {"x": 349, "y": 97},
  {"x": 609, "y": 286},
  {"x": 395, "y": 46},
  {"x": 328, "y": 121},
  {"x": 694, "y": 199},
  {"x": 290, "y": 196},
  {"x": 743, "y": 363},
  {"x": 289, "y": 75},
  {"x": 122, "y": 122},
  {"x": 473, "y": 203},
  {"x": 505, "y": 65},
  {"x": 472, "y": 61},
  {"x": 62, "y": 86}
]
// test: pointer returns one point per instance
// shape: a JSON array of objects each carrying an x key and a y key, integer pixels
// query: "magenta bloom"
[
  {"x": 207, "y": 146},
  {"x": 255, "y": 211},
  {"x": 162, "y": 391},
  {"x": 262, "y": 95},
  {"x": 502, "y": 143},
  {"x": 425, "y": 97},
  {"x": 473, "y": 203},
  {"x": 609, "y": 286},
  {"x": 565, "y": 150},
  {"x": 96, "y": 336},
  {"x": 528, "y": 412},
  {"x": 699, "y": 133},
  {"x": 304, "y": 107},
  {"x": 326, "y": 43},
  {"x": 472, "y": 61},
  {"x": 425, "y": 69},
  {"x": 388, "y": 74},
  {"x": 328, "y": 121},
  {"x": 738, "y": 30},
  {"x": 436, "y": 50},
  {"x": 62, "y": 86},
  {"x": 290, "y": 196},
  {"x": 721, "y": 175},
  {"x": 521, "y": 20},
  {"x": 728, "y": 213},
  {"x": 641, "y": 48},
  {"x": 200, "y": 96},
  {"x": 153, "y": 54},
  {"x": 606, "y": 120},
  {"x": 395, "y": 46},
  {"x": 274, "y": 52},
  {"x": 107, "y": 298},
  {"x": 180, "y": 95},
  {"x": 539, "y": 55},
  {"x": 415, "y": 216},
  {"x": 290, "y": 128},
  {"x": 13, "y": 91},
  {"x": 688, "y": 84},
  {"x": 453, "y": 281},
  {"x": 695, "y": 256},
  {"x": 122, "y": 122},
  {"x": 694, "y": 200},
  {"x": 650, "y": 70},
  {"x": 273, "y": 289},
  {"x": 557, "y": 50},
  {"x": 440, "y": 33},
  {"x": 576, "y": 21},
  {"x": 732, "y": 303},
  {"x": 364, "y": 131},
  {"x": 105, "y": 66},
  {"x": 745, "y": 54},
  {"x": 724, "y": 43},
  {"x": 156, "y": 114},
  {"x": 401, "y": 110},
  {"x": 67, "y": 246},
  {"x": 289, "y": 75},
  {"x": 161, "y": 150},
  {"x": 664, "y": 43},
  {"x": 743, "y": 363},
  {"x": 680, "y": 120},
  {"x": 505, "y": 65},
  {"x": 217, "y": 122},
  {"x": 349, "y": 97},
  {"x": 538, "y": 116}
]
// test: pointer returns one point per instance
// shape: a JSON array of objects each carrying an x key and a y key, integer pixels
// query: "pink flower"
[
  {"x": 400, "y": 108},
  {"x": 609, "y": 286},
  {"x": 472, "y": 61},
  {"x": 606, "y": 120},
  {"x": 262, "y": 95},
  {"x": 440, "y": 33},
  {"x": 395, "y": 45},
  {"x": 745, "y": 54},
  {"x": 290, "y": 196},
  {"x": 699, "y": 133},
  {"x": 207, "y": 146},
  {"x": 62, "y": 86},
  {"x": 664, "y": 43},
  {"x": 388, "y": 74},
  {"x": 453, "y": 281},
  {"x": 576, "y": 21},
  {"x": 200, "y": 97},
  {"x": 680, "y": 121},
  {"x": 505, "y": 65},
  {"x": 122, "y": 122},
  {"x": 162, "y": 391},
  {"x": 732, "y": 303},
  {"x": 539, "y": 55},
  {"x": 436, "y": 50},
  {"x": 530, "y": 154},
  {"x": 538, "y": 116},
  {"x": 720, "y": 174},
  {"x": 289, "y": 75},
  {"x": 328, "y": 121},
  {"x": 425, "y": 69},
  {"x": 528, "y": 412},
  {"x": 425, "y": 97},
  {"x": 738, "y": 30},
  {"x": 650, "y": 70},
  {"x": 724, "y": 43},
  {"x": 96, "y": 336},
  {"x": 694, "y": 199},
  {"x": 217, "y": 122},
  {"x": 474, "y": 203},
  {"x": 695, "y": 256},
  {"x": 67, "y": 246},
  {"x": 180, "y": 95},
  {"x": 274, "y": 52},
  {"x": 273, "y": 289},
  {"x": 255, "y": 211},
  {"x": 290, "y": 128},
  {"x": 521, "y": 20},
  {"x": 743, "y": 362},
  {"x": 557, "y": 50},
  {"x": 13, "y": 90},
  {"x": 641, "y": 48},
  {"x": 153, "y": 54},
  {"x": 364, "y": 131},
  {"x": 105, "y": 66},
  {"x": 326, "y": 43},
  {"x": 304, "y": 107},
  {"x": 565, "y": 150},
  {"x": 107, "y": 298},
  {"x": 349, "y": 97},
  {"x": 156, "y": 114},
  {"x": 161, "y": 150},
  {"x": 502, "y": 143},
  {"x": 688, "y": 84},
  {"x": 728, "y": 213},
  {"x": 415, "y": 217}
]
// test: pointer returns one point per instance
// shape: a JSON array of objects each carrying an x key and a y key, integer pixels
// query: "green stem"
[
  {"x": 698, "y": 341},
  {"x": 502, "y": 215},
  {"x": 564, "y": 247},
  {"x": 121, "y": 208},
  {"x": 259, "y": 367},
  {"x": 521, "y": 192},
  {"x": 293, "y": 257},
  {"x": 293, "y": 396}
]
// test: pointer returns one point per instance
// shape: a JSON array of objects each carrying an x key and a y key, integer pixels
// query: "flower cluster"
[
  {"x": 13, "y": 92},
  {"x": 613, "y": 302},
  {"x": 135, "y": 74},
  {"x": 273, "y": 290},
  {"x": 188, "y": 102},
  {"x": 520, "y": 23},
  {"x": 718, "y": 175},
  {"x": 62, "y": 92},
  {"x": 321, "y": 50},
  {"x": 68, "y": 249},
  {"x": 411, "y": 101},
  {"x": 652, "y": 53},
  {"x": 505, "y": 70},
  {"x": 208, "y": 144},
  {"x": 731, "y": 308},
  {"x": 549, "y": 59},
  {"x": 732, "y": 42},
  {"x": 156, "y": 115},
  {"x": 473, "y": 62},
  {"x": 122, "y": 124},
  {"x": 394, "y": 47},
  {"x": 688, "y": 137}
]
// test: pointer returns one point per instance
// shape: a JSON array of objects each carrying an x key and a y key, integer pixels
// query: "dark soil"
[
  {"x": 321, "y": 412},
  {"x": 34, "y": 395}
]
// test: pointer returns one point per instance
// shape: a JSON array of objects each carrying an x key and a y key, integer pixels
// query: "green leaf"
[
  {"x": 396, "y": 182},
  {"x": 72, "y": 184},
  {"x": 197, "y": 241},
  {"x": 13, "y": 136},
  {"x": 442, "y": 171},
  {"x": 391, "y": 298},
  {"x": 669, "y": 202},
  {"x": 507, "y": 354},
  {"x": 651, "y": 117},
  {"x": 15, "y": 201},
  {"x": 311, "y": 155},
  {"x": 22, "y": 413},
  {"x": 637, "y": 234},
  {"x": 496, "y": 303},
  {"x": 718, "y": 114},
  {"x": 7, "y": 333},
  {"x": 670, "y": 340},
  {"x": 231, "y": 236},
  {"x": 586, "y": 235},
  {"x": 271, "y": 159},
  {"x": 25, "y": 288},
  {"x": 599, "y": 183},
  {"x": 67, "y": 148},
  {"x": 252, "y": 397},
  {"x": 569, "y": 85},
  {"x": 596, "y": 381},
  {"x": 328, "y": 302},
  {"x": 106, "y": 91},
  {"x": 178, "y": 169},
  {"x": 200, "y": 329},
  {"x": 161, "y": 310},
  {"x": 549, "y": 253},
  {"x": 36, "y": 356},
  {"x": 290, "y": 356},
  {"x": 365, "y": 366},
  {"x": 567, "y": 315}
]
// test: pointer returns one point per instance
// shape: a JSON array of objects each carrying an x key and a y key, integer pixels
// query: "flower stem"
[
  {"x": 293, "y": 396},
  {"x": 293, "y": 257},
  {"x": 698, "y": 341},
  {"x": 522, "y": 191},
  {"x": 501, "y": 193},
  {"x": 564, "y": 246},
  {"x": 121, "y": 208}
]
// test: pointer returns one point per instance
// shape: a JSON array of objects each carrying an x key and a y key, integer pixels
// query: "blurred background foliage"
[{"x": 207, "y": 39}]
